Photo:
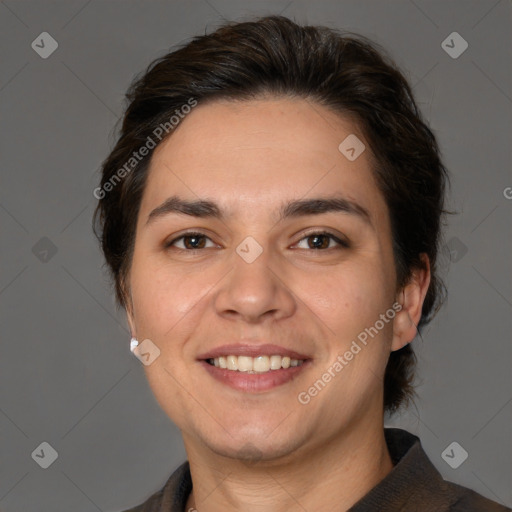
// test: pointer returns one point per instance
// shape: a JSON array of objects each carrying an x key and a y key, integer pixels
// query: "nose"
[{"x": 255, "y": 292}]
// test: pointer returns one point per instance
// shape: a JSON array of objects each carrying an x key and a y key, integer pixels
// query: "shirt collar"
[{"x": 412, "y": 473}]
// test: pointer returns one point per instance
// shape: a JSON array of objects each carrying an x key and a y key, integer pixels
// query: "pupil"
[
  {"x": 316, "y": 238},
  {"x": 194, "y": 244}
]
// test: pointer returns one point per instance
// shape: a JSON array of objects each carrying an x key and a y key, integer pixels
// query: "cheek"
[
  {"x": 162, "y": 297},
  {"x": 354, "y": 295}
]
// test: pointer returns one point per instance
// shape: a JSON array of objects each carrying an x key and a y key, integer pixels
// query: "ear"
[
  {"x": 411, "y": 299},
  {"x": 130, "y": 316},
  {"x": 131, "y": 321}
]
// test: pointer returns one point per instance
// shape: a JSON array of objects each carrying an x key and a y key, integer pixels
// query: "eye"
[
  {"x": 322, "y": 240},
  {"x": 318, "y": 240},
  {"x": 190, "y": 241}
]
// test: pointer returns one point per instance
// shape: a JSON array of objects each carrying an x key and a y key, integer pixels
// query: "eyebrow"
[{"x": 293, "y": 209}]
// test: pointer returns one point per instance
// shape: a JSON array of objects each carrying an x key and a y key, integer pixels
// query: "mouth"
[
  {"x": 252, "y": 365},
  {"x": 253, "y": 369}
]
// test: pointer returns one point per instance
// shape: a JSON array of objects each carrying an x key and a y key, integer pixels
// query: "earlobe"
[
  {"x": 128, "y": 306},
  {"x": 131, "y": 321},
  {"x": 130, "y": 317},
  {"x": 411, "y": 298},
  {"x": 131, "y": 324},
  {"x": 404, "y": 329}
]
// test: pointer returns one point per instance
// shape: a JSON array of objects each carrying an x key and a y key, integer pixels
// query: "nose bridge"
[{"x": 253, "y": 289}]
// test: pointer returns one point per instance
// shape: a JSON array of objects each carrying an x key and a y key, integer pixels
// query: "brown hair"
[{"x": 348, "y": 74}]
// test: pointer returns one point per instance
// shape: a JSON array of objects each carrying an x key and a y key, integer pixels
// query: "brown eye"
[
  {"x": 318, "y": 241},
  {"x": 322, "y": 241},
  {"x": 189, "y": 241}
]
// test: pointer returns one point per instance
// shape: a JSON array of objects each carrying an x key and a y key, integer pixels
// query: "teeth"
[
  {"x": 232, "y": 362},
  {"x": 245, "y": 364},
  {"x": 260, "y": 364},
  {"x": 275, "y": 362}
]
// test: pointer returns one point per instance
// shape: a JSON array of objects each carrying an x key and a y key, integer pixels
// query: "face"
[{"x": 248, "y": 276}]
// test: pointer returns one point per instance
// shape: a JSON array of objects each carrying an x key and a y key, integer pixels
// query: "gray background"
[{"x": 66, "y": 374}]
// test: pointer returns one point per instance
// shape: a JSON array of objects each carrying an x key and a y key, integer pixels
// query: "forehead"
[{"x": 251, "y": 155}]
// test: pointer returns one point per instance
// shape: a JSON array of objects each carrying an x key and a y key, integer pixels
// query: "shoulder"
[
  {"x": 152, "y": 504},
  {"x": 467, "y": 500},
  {"x": 415, "y": 485}
]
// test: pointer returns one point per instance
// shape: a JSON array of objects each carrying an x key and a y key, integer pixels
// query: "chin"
[
  {"x": 252, "y": 445},
  {"x": 250, "y": 453}
]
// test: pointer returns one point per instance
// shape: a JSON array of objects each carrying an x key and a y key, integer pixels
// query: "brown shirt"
[{"x": 413, "y": 485}]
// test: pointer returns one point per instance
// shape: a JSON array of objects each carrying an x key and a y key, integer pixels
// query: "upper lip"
[{"x": 246, "y": 349}]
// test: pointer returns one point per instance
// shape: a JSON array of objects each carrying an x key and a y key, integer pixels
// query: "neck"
[{"x": 333, "y": 477}]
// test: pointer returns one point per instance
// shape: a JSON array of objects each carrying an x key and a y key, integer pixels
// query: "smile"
[
  {"x": 261, "y": 378},
  {"x": 259, "y": 364}
]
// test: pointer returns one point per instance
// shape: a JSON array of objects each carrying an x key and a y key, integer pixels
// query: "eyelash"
[{"x": 341, "y": 243}]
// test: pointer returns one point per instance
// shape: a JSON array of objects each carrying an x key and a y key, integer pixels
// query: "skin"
[{"x": 266, "y": 450}]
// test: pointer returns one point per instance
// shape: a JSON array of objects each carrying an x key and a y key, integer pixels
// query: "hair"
[{"x": 344, "y": 72}]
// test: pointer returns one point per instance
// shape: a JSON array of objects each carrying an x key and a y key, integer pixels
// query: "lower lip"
[{"x": 255, "y": 382}]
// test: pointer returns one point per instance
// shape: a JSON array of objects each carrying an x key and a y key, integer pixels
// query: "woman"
[{"x": 271, "y": 218}]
